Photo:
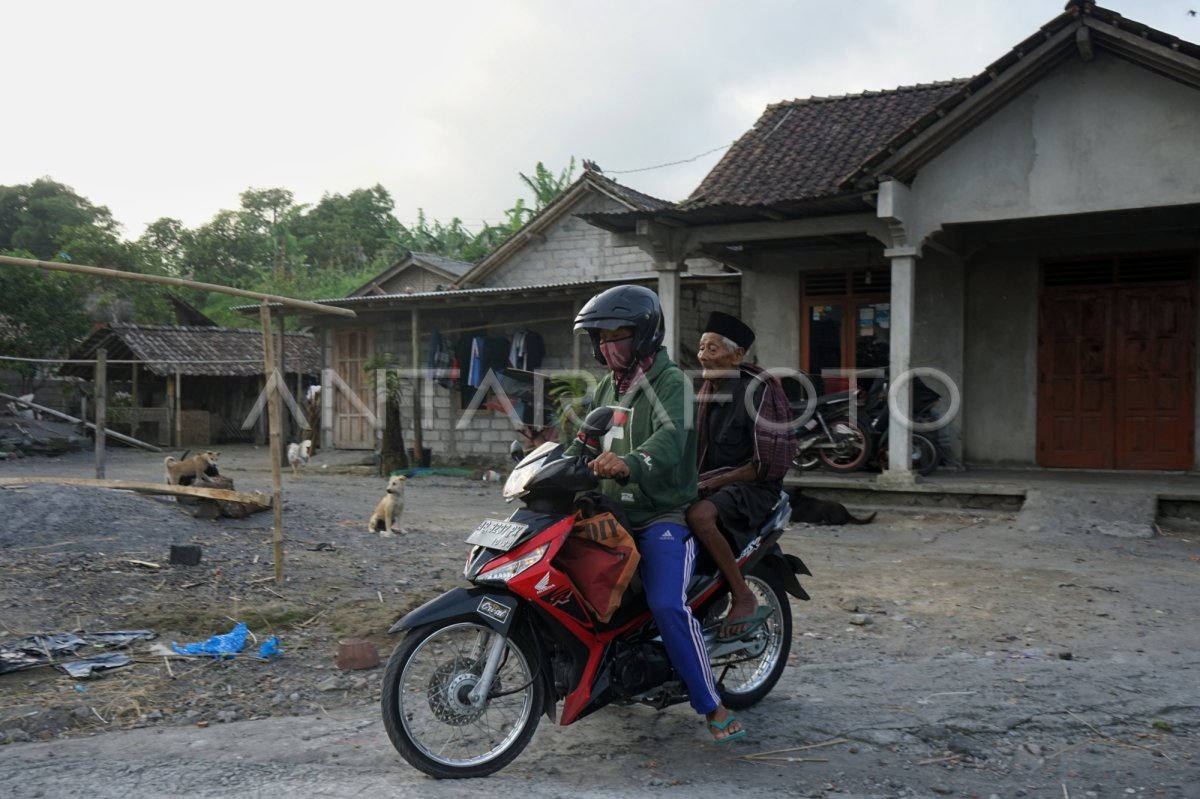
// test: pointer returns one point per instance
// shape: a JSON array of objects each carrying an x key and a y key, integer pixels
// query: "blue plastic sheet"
[
  {"x": 226, "y": 645},
  {"x": 270, "y": 648}
]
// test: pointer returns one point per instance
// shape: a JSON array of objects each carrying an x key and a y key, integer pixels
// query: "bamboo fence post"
[
  {"x": 101, "y": 386},
  {"x": 264, "y": 314}
]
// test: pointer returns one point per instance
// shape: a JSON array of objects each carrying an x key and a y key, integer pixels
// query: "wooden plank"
[{"x": 262, "y": 500}]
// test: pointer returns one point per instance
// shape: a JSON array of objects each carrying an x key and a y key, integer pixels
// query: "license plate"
[{"x": 496, "y": 534}]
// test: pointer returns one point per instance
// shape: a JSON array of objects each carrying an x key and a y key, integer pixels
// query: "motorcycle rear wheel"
[
  {"x": 926, "y": 454},
  {"x": 805, "y": 458},
  {"x": 746, "y": 677},
  {"x": 428, "y": 715},
  {"x": 852, "y": 450}
]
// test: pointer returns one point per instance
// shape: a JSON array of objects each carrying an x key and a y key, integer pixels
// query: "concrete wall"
[
  {"x": 1001, "y": 330},
  {"x": 938, "y": 340},
  {"x": 572, "y": 250},
  {"x": 1078, "y": 141},
  {"x": 999, "y": 417}
]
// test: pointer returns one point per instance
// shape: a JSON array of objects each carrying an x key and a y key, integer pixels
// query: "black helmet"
[{"x": 624, "y": 306}]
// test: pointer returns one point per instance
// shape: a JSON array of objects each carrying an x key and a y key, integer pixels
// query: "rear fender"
[{"x": 786, "y": 567}]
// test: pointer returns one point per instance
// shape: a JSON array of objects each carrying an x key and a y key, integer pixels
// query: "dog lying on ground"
[
  {"x": 298, "y": 455},
  {"x": 386, "y": 517},
  {"x": 198, "y": 468},
  {"x": 822, "y": 511}
]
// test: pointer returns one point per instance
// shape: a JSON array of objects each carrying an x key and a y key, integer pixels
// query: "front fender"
[{"x": 496, "y": 608}]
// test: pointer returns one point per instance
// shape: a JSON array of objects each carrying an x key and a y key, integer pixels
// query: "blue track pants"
[{"x": 668, "y": 553}]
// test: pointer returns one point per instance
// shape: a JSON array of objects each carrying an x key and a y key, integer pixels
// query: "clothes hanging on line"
[
  {"x": 442, "y": 360},
  {"x": 527, "y": 350}
]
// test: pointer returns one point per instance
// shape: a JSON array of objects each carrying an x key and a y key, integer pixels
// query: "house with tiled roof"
[
  {"x": 189, "y": 385},
  {"x": 416, "y": 272},
  {"x": 524, "y": 293},
  {"x": 1026, "y": 239}
]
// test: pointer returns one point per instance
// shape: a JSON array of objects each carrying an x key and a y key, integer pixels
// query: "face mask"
[{"x": 617, "y": 354}]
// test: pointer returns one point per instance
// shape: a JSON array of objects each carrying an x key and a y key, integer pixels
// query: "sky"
[{"x": 172, "y": 109}]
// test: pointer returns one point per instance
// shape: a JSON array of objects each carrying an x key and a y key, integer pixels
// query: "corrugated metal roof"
[{"x": 195, "y": 351}]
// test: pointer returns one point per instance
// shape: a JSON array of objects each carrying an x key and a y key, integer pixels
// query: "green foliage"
[
  {"x": 33, "y": 216},
  {"x": 349, "y": 233},
  {"x": 269, "y": 244},
  {"x": 572, "y": 395},
  {"x": 545, "y": 185},
  {"x": 41, "y": 313}
]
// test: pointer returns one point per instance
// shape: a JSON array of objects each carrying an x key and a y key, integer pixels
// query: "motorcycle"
[
  {"x": 926, "y": 454},
  {"x": 465, "y": 688},
  {"x": 830, "y": 435}
]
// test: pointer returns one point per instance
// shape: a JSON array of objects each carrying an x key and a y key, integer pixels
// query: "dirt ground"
[
  {"x": 942, "y": 654},
  {"x": 69, "y": 565}
]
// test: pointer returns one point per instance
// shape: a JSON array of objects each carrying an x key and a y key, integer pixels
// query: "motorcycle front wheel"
[
  {"x": 745, "y": 677},
  {"x": 852, "y": 447},
  {"x": 428, "y": 712}
]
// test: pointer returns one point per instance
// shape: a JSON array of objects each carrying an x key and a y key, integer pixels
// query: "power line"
[{"x": 672, "y": 163}]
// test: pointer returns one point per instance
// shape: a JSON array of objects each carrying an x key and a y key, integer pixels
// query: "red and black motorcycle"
[{"x": 465, "y": 688}]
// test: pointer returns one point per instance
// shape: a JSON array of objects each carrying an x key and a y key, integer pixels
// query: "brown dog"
[
  {"x": 822, "y": 511},
  {"x": 197, "y": 468},
  {"x": 386, "y": 517}
]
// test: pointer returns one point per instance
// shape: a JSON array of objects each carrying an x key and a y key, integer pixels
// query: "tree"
[
  {"x": 33, "y": 216},
  {"x": 42, "y": 313},
  {"x": 348, "y": 233},
  {"x": 272, "y": 214}
]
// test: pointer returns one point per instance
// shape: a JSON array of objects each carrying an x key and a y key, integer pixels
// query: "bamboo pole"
[
  {"x": 264, "y": 313},
  {"x": 418, "y": 439},
  {"x": 101, "y": 386},
  {"x": 175, "y": 281}
]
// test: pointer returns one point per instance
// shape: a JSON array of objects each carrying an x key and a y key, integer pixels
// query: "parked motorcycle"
[
  {"x": 465, "y": 688},
  {"x": 926, "y": 454},
  {"x": 831, "y": 435}
]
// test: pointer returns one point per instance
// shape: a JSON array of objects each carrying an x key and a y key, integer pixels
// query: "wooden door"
[
  {"x": 1075, "y": 397},
  {"x": 1115, "y": 373},
  {"x": 353, "y": 390},
  {"x": 1154, "y": 378}
]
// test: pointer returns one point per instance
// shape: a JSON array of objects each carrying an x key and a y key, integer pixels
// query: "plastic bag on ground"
[{"x": 225, "y": 645}]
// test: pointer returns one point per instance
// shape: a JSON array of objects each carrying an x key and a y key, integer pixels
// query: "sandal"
[
  {"x": 715, "y": 727},
  {"x": 750, "y": 623}
]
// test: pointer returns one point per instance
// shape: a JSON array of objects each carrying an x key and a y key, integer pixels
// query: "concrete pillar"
[
  {"x": 668, "y": 295},
  {"x": 904, "y": 273}
]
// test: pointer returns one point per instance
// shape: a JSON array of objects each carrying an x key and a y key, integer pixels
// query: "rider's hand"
[{"x": 608, "y": 464}]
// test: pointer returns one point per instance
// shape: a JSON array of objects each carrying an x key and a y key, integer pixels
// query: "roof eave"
[{"x": 903, "y": 156}]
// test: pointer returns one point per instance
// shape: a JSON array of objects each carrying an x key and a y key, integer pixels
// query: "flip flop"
[
  {"x": 720, "y": 726},
  {"x": 754, "y": 622}
]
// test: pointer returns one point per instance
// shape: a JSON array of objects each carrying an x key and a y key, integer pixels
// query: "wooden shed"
[{"x": 190, "y": 386}]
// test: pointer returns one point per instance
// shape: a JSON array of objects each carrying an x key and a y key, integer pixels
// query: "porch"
[{"x": 1129, "y": 503}]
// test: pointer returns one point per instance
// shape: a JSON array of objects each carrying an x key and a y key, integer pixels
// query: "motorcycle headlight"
[{"x": 511, "y": 569}]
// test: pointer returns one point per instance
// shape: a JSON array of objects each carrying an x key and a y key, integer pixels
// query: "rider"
[
  {"x": 650, "y": 471},
  {"x": 744, "y": 451}
]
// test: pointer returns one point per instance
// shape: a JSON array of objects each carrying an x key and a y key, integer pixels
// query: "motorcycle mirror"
[{"x": 598, "y": 422}]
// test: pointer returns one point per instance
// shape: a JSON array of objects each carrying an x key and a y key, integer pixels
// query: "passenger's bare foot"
[
  {"x": 723, "y": 725},
  {"x": 739, "y": 619}
]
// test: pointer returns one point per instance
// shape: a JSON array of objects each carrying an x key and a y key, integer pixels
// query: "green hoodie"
[{"x": 658, "y": 443}]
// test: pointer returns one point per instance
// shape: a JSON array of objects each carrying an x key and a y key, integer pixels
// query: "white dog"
[
  {"x": 386, "y": 517},
  {"x": 298, "y": 455}
]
